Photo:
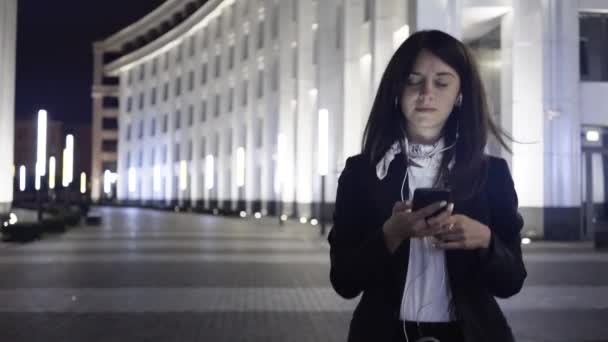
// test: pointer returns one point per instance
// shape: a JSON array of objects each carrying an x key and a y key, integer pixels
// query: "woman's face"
[{"x": 429, "y": 95}]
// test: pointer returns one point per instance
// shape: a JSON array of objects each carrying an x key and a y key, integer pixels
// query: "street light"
[
  {"x": 83, "y": 183},
  {"x": 323, "y": 154},
  {"x": 68, "y": 161},
  {"x": 52, "y": 173},
  {"x": 281, "y": 156},
  {"x": 22, "y": 178},
  {"x": 40, "y": 157}
]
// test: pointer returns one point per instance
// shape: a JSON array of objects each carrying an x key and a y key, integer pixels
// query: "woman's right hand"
[{"x": 404, "y": 224}]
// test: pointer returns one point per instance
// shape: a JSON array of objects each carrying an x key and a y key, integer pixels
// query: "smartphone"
[{"x": 426, "y": 196}]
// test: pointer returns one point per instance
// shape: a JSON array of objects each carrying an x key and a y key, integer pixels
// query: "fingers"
[
  {"x": 429, "y": 210},
  {"x": 402, "y": 207},
  {"x": 437, "y": 223}
]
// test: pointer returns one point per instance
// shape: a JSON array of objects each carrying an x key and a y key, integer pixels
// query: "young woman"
[{"x": 426, "y": 278}]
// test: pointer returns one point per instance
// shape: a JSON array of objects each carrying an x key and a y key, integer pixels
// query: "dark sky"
[{"x": 54, "y": 52}]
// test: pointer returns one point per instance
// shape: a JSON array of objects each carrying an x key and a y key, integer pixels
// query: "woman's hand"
[
  {"x": 404, "y": 223},
  {"x": 460, "y": 232}
]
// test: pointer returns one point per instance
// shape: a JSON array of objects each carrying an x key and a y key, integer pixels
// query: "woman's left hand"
[{"x": 460, "y": 232}]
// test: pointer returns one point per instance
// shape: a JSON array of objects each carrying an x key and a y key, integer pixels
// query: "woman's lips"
[{"x": 425, "y": 109}]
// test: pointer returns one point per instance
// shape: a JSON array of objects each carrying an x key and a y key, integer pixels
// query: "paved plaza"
[{"x": 146, "y": 275}]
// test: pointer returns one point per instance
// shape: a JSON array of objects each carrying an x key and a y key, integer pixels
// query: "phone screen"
[{"x": 426, "y": 196}]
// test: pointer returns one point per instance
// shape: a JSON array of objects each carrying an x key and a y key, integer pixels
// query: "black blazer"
[{"x": 361, "y": 262}]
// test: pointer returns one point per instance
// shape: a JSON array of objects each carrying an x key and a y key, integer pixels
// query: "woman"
[{"x": 423, "y": 276}]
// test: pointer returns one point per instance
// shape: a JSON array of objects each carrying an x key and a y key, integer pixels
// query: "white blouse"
[{"x": 427, "y": 294}]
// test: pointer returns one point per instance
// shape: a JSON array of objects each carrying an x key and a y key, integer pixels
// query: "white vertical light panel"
[
  {"x": 83, "y": 183},
  {"x": 52, "y": 172},
  {"x": 183, "y": 175},
  {"x": 41, "y": 150},
  {"x": 107, "y": 182},
  {"x": 22, "y": 178},
  {"x": 156, "y": 178}
]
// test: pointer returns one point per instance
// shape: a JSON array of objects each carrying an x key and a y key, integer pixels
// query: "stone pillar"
[{"x": 8, "y": 39}]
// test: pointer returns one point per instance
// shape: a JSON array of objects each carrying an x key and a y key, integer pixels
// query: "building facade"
[
  {"x": 221, "y": 103},
  {"x": 8, "y": 42}
]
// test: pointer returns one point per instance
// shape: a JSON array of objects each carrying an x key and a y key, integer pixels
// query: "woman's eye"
[
  {"x": 441, "y": 85},
  {"x": 413, "y": 80}
]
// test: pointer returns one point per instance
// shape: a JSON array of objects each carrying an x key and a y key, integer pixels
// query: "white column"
[
  {"x": 354, "y": 115},
  {"x": 563, "y": 123},
  {"x": 8, "y": 38},
  {"x": 528, "y": 118},
  {"x": 306, "y": 106}
]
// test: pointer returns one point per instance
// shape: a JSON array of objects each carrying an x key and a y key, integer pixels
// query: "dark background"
[{"x": 54, "y": 52}]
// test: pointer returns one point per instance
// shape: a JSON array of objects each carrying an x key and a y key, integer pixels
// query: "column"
[{"x": 8, "y": 38}]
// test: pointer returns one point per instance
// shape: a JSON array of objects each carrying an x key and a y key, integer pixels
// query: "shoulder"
[
  {"x": 498, "y": 169},
  {"x": 356, "y": 167}
]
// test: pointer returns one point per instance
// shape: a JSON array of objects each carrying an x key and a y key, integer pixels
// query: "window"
[
  {"x": 178, "y": 86},
  {"x": 189, "y": 150},
  {"x": 593, "y": 46},
  {"x": 367, "y": 10},
  {"x": 128, "y": 133},
  {"x": 260, "y": 83},
  {"x": 245, "y": 92},
  {"x": 178, "y": 120},
  {"x": 140, "y": 158},
  {"x": 153, "y": 96},
  {"x": 230, "y": 100},
  {"x": 294, "y": 62},
  {"x": 204, "y": 111},
  {"x": 203, "y": 147},
  {"x": 261, "y": 34},
  {"x": 218, "y": 29},
  {"x": 109, "y": 102},
  {"x": 141, "y": 129},
  {"x": 245, "y": 46},
  {"x": 192, "y": 45},
  {"x": 166, "y": 66},
  {"x": 109, "y": 145},
  {"x": 275, "y": 21},
  {"x": 216, "y": 111},
  {"x": 165, "y": 123},
  {"x": 154, "y": 66},
  {"x": 178, "y": 54},
  {"x": 109, "y": 123},
  {"x": 130, "y": 77},
  {"x": 294, "y": 10},
  {"x": 141, "y": 101},
  {"x": 152, "y": 157},
  {"x": 165, "y": 92},
  {"x": 243, "y": 135},
  {"x": 230, "y": 57},
  {"x": 260, "y": 132},
  {"x": 217, "y": 66},
  {"x": 275, "y": 75},
  {"x": 165, "y": 153},
  {"x": 204, "y": 74},
  {"x": 315, "y": 47},
  {"x": 142, "y": 72},
  {"x": 216, "y": 145},
  {"x": 176, "y": 153},
  {"x": 190, "y": 80},
  {"x": 190, "y": 116},
  {"x": 128, "y": 159},
  {"x": 153, "y": 127},
  {"x": 339, "y": 24},
  {"x": 205, "y": 44},
  {"x": 232, "y": 14}
]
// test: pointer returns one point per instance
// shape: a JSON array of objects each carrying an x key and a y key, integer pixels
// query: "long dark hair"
[{"x": 471, "y": 120}]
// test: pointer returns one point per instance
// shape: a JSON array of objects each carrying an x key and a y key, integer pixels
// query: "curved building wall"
[{"x": 8, "y": 38}]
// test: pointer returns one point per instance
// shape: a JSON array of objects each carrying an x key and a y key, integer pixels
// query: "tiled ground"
[{"x": 156, "y": 276}]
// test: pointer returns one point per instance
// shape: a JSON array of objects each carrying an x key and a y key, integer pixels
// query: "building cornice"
[
  {"x": 165, "y": 42},
  {"x": 165, "y": 11}
]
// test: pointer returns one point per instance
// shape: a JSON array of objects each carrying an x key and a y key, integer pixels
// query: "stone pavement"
[{"x": 147, "y": 275}]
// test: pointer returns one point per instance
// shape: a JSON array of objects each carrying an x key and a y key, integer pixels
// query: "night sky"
[{"x": 54, "y": 52}]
